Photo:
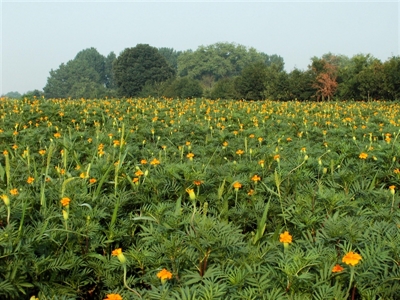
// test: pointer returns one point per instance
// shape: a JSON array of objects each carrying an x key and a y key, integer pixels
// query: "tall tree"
[
  {"x": 171, "y": 56},
  {"x": 213, "y": 62},
  {"x": 251, "y": 84},
  {"x": 325, "y": 72},
  {"x": 391, "y": 69},
  {"x": 136, "y": 66}
]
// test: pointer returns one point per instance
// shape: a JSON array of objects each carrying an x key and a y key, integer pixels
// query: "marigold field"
[{"x": 199, "y": 199}]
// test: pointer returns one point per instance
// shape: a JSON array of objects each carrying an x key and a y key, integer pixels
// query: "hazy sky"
[{"x": 37, "y": 36}]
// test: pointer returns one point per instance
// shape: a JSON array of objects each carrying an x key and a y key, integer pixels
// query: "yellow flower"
[
  {"x": 351, "y": 258},
  {"x": 285, "y": 237},
  {"x": 396, "y": 171},
  {"x": 363, "y": 155},
  {"x": 6, "y": 199},
  {"x": 143, "y": 161},
  {"x": 256, "y": 178},
  {"x": 30, "y": 180},
  {"x": 261, "y": 163},
  {"x": 118, "y": 253},
  {"x": 225, "y": 144},
  {"x": 191, "y": 193},
  {"x": 164, "y": 274},
  {"x": 250, "y": 193},
  {"x": 113, "y": 297},
  {"x": 155, "y": 162},
  {"x": 239, "y": 152},
  {"x": 42, "y": 152},
  {"x": 190, "y": 155},
  {"x": 65, "y": 201},
  {"x": 92, "y": 180},
  {"x": 237, "y": 185},
  {"x": 135, "y": 180},
  {"x": 57, "y": 135},
  {"x": 14, "y": 192},
  {"x": 277, "y": 157},
  {"x": 337, "y": 268},
  {"x": 139, "y": 173},
  {"x": 391, "y": 188}
]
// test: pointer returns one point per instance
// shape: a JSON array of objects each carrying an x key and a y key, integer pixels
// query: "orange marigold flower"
[
  {"x": 351, "y": 258},
  {"x": 237, "y": 185},
  {"x": 65, "y": 201},
  {"x": 14, "y": 192},
  {"x": 363, "y": 155},
  {"x": 391, "y": 188},
  {"x": 135, "y": 180},
  {"x": 15, "y": 147},
  {"x": 225, "y": 144},
  {"x": 337, "y": 268},
  {"x": 250, "y": 193},
  {"x": 139, "y": 173},
  {"x": 143, "y": 161},
  {"x": 285, "y": 237},
  {"x": 197, "y": 182},
  {"x": 396, "y": 171},
  {"x": 256, "y": 178},
  {"x": 5, "y": 152},
  {"x": 289, "y": 139},
  {"x": 113, "y": 297},
  {"x": 42, "y": 152},
  {"x": 118, "y": 253},
  {"x": 57, "y": 135},
  {"x": 277, "y": 156},
  {"x": 30, "y": 180},
  {"x": 239, "y": 152},
  {"x": 164, "y": 274},
  {"x": 190, "y": 155},
  {"x": 155, "y": 162},
  {"x": 92, "y": 180}
]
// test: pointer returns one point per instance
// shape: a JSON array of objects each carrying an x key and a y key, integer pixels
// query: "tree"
[
  {"x": 171, "y": 56},
  {"x": 224, "y": 89},
  {"x": 325, "y": 72},
  {"x": 391, "y": 70},
  {"x": 13, "y": 95},
  {"x": 300, "y": 85},
  {"x": 184, "y": 88},
  {"x": 137, "y": 66},
  {"x": 75, "y": 72},
  {"x": 88, "y": 75},
  {"x": 251, "y": 84},
  {"x": 109, "y": 76},
  {"x": 214, "y": 62}
]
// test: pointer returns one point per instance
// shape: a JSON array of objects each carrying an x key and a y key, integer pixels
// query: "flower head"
[
  {"x": 190, "y": 155},
  {"x": 237, "y": 185},
  {"x": 351, "y": 258},
  {"x": 191, "y": 193},
  {"x": 30, "y": 180},
  {"x": 6, "y": 199},
  {"x": 65, "y": 201},
  {"x": 337, "y": 268},
  {"x": 118, "y": 253},
  {"x": 14, "y": 192},
  {"x": 164, "y": 274},
  {"x": 285, "y": 237},
  {"x": 155, "y": 162},
  {"x": 113, "y": 297},
  {"x": 256, "y": 178},
  {"x": 239, "y": 152},
  {"x": 363, "y": 155},
  {"x": 391, "y": 188}
]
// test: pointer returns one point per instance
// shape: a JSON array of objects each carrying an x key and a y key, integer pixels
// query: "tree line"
[{"x": 222, "y": 71}]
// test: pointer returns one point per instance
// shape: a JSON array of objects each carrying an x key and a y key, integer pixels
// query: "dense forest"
[{"x": 221, "y": 71}]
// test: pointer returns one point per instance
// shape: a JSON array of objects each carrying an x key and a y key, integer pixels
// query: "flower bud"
[
  {"x": 6, "y": 200},
  {"x": 65, "y": 214}
]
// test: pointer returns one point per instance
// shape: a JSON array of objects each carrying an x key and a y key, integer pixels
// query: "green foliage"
[
  {"x": 251, "y": 84},
  {"x": 137, "y": 66},
  {"x": 124, "y": 165},
  {"x": 183, "y": 88}
]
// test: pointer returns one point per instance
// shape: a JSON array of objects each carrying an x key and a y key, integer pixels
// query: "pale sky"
[{"x": 37, "y": 36}]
